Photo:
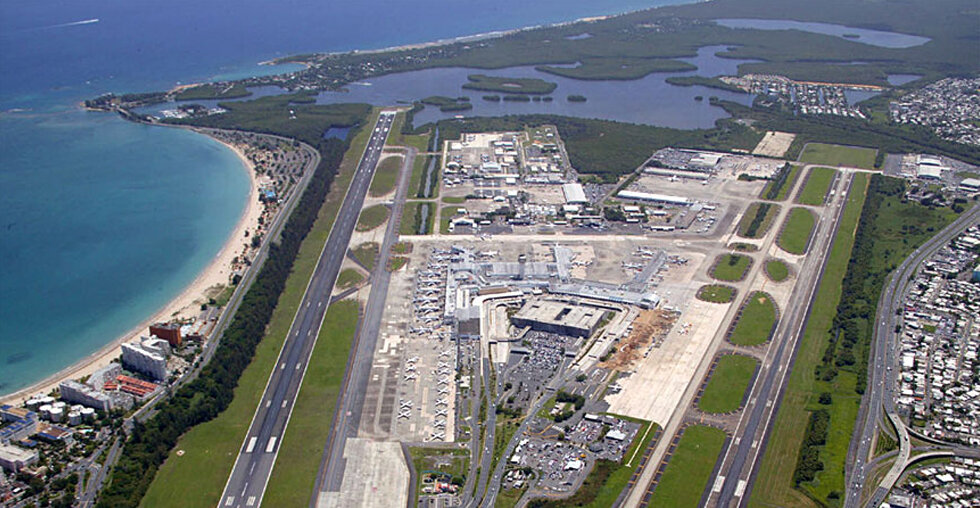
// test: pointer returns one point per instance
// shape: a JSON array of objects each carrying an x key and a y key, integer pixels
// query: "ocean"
[{"x": 102, "y": 221}]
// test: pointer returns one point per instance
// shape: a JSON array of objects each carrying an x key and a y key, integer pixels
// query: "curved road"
[{"x": 881, "y": 382}]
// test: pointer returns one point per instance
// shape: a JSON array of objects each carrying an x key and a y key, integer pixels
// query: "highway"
[
  {"x": 732, "y": 483},
  {"x": 250, "y": 475},
  {"x": 883, "y": 363},
  {"x": 347, "y": 417}
]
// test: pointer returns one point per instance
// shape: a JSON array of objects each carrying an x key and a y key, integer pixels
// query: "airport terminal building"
[{"x": 559, "y": 317}]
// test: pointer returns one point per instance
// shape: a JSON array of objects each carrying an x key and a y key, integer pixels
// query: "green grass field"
[
  {"x": 757, "y": 220},
  {"x": 372, "y": 217},
  {"x": 197, "y": 478},
  {"x": 386, "y": 175},
  {"x": 349, "y": 277},
  {"x": 774, "y": 484},
  {"x": 412, "y": 217},
  {"x": 728, "y": 383},
  {"x": 716, "y": 293},
  {"x": 756, "y": 321},
  {"x": 776, "y": 270},
  {"x": 294, "y": 475},
  {"x": 454, "y": 200},
  {"x": 839, "y": 155},
  {"x": 814, "y": 192},
  {"x": 795, "y": 235},
  {"x": 689, "y": 470},
  {"x": 366, "y": 254},
  {"x": 731, "y": 267}
]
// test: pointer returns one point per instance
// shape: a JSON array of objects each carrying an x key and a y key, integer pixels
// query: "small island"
[
  {"x": 577, "y": 98},
  {"x": 533, "y": 86}
]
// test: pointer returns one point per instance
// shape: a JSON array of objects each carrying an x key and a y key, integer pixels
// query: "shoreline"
[{"x": 184, "y": 304}]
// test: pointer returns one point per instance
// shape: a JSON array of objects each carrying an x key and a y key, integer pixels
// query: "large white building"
[
  {"x": 147, "y": 356},
  {"x": 574, "y": 194},
  {"x": 79, "y": 393},
  {"x": 655, "y": 198}
]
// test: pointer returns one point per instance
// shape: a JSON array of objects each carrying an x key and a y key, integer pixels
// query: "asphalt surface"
[
  {"x": 348, "y": 413},
  {"x": 881, "y": 384},
  {"x": 250, "y": 475},
  {"x": 745, "y": 449}
]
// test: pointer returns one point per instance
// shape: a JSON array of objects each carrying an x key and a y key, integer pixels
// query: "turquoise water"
[
  {"x": 95, "y": 249},
  {"x": 103, "y": 221}
]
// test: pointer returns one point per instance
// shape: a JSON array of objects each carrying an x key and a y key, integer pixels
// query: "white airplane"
[
  {"x": 442, "y": 402},
  {"x": 437, "y": 436},
  {"x": 407, "y": 413},
  {"x": 410, "y": 376},
  {"x": 439, "y": 424},
  {"x": 442, "y": 412},
  {"x": 404, "y": 403}
]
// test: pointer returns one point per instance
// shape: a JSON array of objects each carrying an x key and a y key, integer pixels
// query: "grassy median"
[
  {"x": 716, "y": 293},
  {"x": 197, "y": 478},
  {"x": 795, "y": 235},
  {"x": 386, "y": 175},
  {"x": 689, "y": 469},
  {"x": 814, "y": 191},
  {"x": 372, "y": 217},
  {"x": 731, "y": 267},
  {"x": 756, "y": 321},
  {"x": 776, "y": 270},
  {"x": 757, "y": 220},
  {"x": 728, "y": 383},
  {"x": 294, "y": 475}
]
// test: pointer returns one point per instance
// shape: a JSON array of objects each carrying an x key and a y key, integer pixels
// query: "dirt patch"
[
  {"x": 774, "y": 144},
  {"x": 649, "y": 328}
]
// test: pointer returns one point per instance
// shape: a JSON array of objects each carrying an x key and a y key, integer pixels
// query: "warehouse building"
[{"x": 574, "y": 194}]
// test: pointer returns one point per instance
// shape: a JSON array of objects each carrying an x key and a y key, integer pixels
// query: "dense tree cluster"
[{"x": 808, "y": 464}]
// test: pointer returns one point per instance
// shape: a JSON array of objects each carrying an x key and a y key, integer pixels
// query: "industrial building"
[
  {"x": 559, "y": 317},
  {"x": 147, "y": 356},
  {"x": 928, "y": 167},
  {"x": 574, "y": 194},
  {"x": 14, "y": 459},
  {"x": 970, "y": 185}
]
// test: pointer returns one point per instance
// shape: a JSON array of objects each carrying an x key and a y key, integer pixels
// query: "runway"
[
  {"x": 248, "y": 480},
  {"x": 731, "y": 485}
]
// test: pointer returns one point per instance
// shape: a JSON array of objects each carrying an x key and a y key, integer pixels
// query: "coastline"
[{"x": 185, "y": 304}]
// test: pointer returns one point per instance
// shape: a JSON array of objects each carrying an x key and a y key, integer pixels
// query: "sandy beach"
[{"x": 186, "y": 305}]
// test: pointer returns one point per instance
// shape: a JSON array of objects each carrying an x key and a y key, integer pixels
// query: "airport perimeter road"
[
  {"x": 732, "y": 482},
  {"x": 250, "y": 475},
  {"x": 348, "y": 412},
  {"x": 881, "y": 382}
]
